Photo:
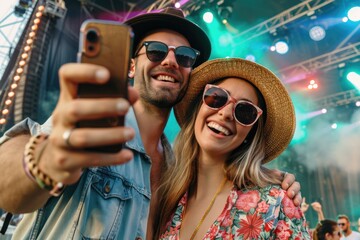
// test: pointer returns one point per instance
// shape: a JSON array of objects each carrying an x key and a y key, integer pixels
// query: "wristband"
[{"x": 31, "y": 168}]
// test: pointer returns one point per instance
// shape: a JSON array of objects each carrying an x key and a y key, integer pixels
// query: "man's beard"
[{"x": 162, "y": 100}]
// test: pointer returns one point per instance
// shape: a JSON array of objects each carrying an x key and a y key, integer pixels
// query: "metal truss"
[
  {"x": 128, "y": 7},
  {"x": 325, "y": 62},
  {"x": 338, "y": 99},
  {"x": 305, "y": 8},
  {"x": 160, "y": 4},
  {"x": 9, "y": 45}
]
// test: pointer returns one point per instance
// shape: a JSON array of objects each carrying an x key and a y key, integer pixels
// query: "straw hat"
[
  {"x": 173, "y": 19},
  {"x": 280, "y": 114}
]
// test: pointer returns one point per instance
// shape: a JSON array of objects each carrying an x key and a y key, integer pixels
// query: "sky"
[{"x": 9, "y": 25}]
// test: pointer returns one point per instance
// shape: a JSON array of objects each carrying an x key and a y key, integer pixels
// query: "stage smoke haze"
[{"x": 326, "y": 147}]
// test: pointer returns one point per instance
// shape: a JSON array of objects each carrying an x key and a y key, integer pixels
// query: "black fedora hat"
[{"x": 173, "y": 19}]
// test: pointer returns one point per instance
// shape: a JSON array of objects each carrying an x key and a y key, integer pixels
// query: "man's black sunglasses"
[{"x": 157, "y": 51}]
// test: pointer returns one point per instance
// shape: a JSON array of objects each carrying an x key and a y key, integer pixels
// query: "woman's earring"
[{"x": 245, "y": 141}]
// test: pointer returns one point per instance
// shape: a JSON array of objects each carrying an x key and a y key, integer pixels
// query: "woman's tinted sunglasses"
[
  {"x": 157, "y": 51},
  {"x": 245, "y": 112}
]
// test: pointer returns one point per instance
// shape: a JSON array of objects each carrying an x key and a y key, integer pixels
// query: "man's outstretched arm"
[
  {"x": 55, "y": 157},
  {"x": 18, "y": 192}
]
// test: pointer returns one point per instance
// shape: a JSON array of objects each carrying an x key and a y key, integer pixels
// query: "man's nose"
[{"x": 170, "y": 59}]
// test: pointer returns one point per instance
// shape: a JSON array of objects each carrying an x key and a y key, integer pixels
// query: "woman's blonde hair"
[{"x": 244, "y": 166}]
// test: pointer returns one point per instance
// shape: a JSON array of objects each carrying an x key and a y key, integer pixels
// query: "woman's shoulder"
[{"x": 273, "y": 190}]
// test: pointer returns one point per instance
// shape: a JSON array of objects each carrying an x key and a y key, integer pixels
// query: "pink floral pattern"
[{"x": 256, "y": 213}]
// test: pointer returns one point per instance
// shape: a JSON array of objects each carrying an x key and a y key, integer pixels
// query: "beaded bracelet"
[{"x": 30, "y": 164}]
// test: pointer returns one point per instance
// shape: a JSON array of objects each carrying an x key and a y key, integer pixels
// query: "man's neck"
[
  {"x": 348, "y": 232},
  {"x": 151, "y": 121}
]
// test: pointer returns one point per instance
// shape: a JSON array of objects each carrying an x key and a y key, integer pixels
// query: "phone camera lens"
[{"x": 92, "y": 36}]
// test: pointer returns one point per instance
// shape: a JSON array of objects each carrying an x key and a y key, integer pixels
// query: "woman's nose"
[{"x": 227, "y": 112}]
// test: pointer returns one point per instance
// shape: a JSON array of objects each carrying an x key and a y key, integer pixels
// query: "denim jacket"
[{"x": 107, "y": 202}]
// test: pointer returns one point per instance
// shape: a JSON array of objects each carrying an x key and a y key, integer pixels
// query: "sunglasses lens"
[
  {"x": 185, "y": 56},
  {"x": 215, "y": 97},
  {"x": 156, "y": 51},
  {"x": 245, "y": 113}
]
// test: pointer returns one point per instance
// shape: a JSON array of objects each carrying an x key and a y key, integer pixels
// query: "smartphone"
[{"x": 109, "y": 44}]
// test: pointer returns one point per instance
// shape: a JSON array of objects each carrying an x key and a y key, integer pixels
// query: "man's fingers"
[
  {"x": 85, "y": 137},
  {"x": 297, "y": 199},
  {"x": 72, "y": 74},
  {"x": 99, "y": 159},
  {"x": 288, "y": 180},
  {"x": 90, "y": 109},
  {"x": 133, "y": 95},
  {"x": 293, "y": 190}
]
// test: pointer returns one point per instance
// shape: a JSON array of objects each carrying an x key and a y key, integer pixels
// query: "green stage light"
[{"x": 354, "y": 78}]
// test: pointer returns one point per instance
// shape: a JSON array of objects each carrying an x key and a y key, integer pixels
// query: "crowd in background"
[{"x": 331, "y": 229}]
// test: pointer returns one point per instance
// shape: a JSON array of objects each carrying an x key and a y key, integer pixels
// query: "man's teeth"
[
  {"x": 165, "y": 78},
  {"x": 219, "y": 128}
]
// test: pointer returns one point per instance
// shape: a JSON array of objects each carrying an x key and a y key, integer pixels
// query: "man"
[
  {"x": 107, "y": 196},
  {"x": 344, "y": 224}
]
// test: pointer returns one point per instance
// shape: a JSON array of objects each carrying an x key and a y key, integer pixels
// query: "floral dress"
[{"x": 255, "y": 213}]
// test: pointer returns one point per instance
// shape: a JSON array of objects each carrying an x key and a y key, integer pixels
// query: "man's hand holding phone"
[{"x": 64, "y": 159}]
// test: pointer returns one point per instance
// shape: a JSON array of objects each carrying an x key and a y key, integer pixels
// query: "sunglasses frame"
[
  {"x": 147, "y": 43},
  {"x": 233, "y": 100}
]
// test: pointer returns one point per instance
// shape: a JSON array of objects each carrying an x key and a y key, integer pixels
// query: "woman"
[
  {"x": 327, "y": 230},
  {"x": 235, "y": 116}
]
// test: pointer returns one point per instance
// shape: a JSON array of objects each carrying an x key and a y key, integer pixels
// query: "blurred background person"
[
  {"x": 327, "y": 230},
  {"x": 344, "y": 224}
]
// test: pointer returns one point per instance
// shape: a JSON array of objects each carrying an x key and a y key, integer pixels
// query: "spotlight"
[
  {"x": 354, "y": 14},
  {"x": 177, "y": 5},
  {"x": 280, "y": 40},
  {"x": 317, "y": 33},
  {"x": 312, "y": 84},
  {"x": 251, "y": 58},
  {"x": 208, "y": 17},
  {"x": 281, "y": 46},
  {"x": 354, "y": 78},
  {"x": 351, "y": 73}
]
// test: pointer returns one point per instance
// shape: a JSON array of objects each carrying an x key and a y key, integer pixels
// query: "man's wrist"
[{"x": 31, "y": 168}]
